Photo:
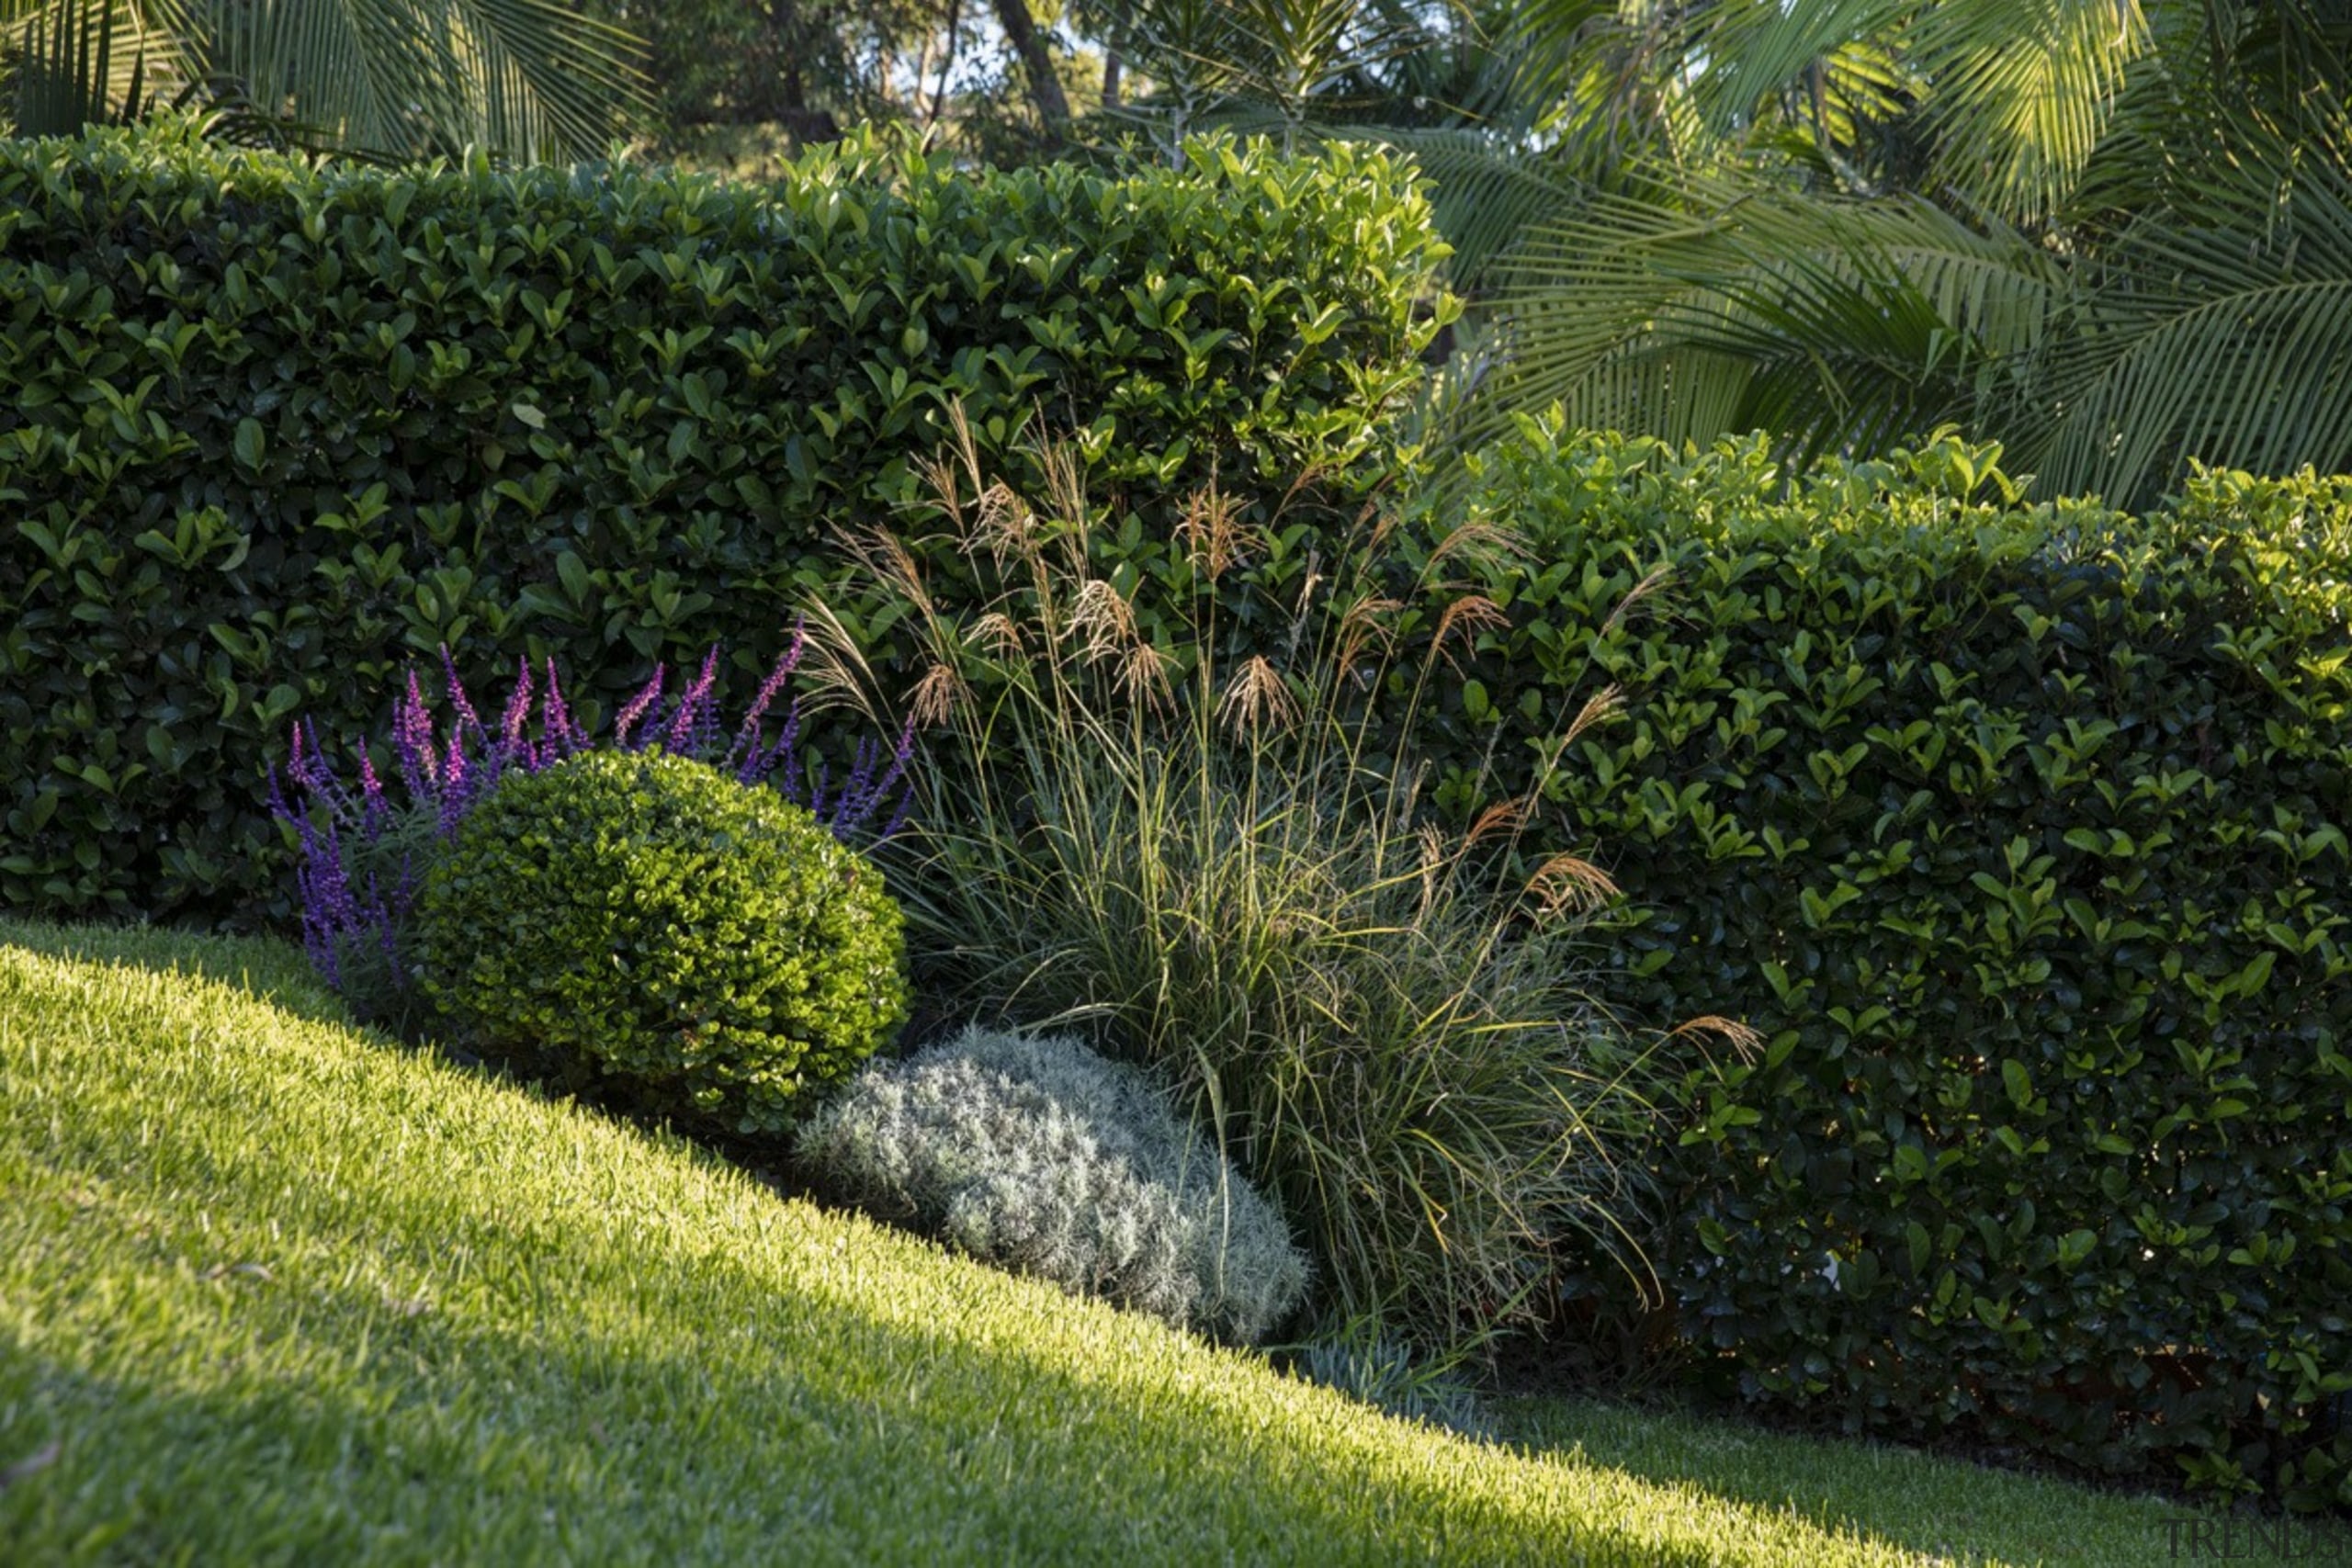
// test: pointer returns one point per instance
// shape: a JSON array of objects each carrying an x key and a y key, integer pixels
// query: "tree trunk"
[
  {"x": 783, "y": 29},
  {"x": 1111, "y": 71},
  {"x": 1036, "y": 64},
  {"x": 946, "y": 65}
]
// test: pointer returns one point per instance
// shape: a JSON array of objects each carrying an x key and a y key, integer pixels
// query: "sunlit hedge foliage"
[{"x": 269, "y": 431}]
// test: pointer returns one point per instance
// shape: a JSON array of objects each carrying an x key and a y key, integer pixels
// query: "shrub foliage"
[
  {"x": 2019, "y": 834},
  {"x": 1038, "y": 1154},
  {"x": 269, "y": 431},
  {"x": 707, "y": 944},
  {"x": 370, "y": 843}
]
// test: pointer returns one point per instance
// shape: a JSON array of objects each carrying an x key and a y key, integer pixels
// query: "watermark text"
[{"x": 2230, "y": 1538}]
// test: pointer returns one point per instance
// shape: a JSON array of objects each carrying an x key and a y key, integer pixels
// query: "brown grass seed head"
[{"x": 1257, "y": 700}]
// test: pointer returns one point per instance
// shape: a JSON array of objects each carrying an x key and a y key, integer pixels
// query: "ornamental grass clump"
[
  {"x": 1039, "y": 1155},
  {"x": 1209, "y": 852},
  {"x": 366, "y": 844}
]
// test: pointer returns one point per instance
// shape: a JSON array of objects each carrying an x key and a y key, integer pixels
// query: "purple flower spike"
[
  {"x": 685, "y": 724},
  {"x": 307, "y": 766},
  {"x": 328, "y": 908},
  {"x": 467, "y": 717},
  {"x": 412, "y": 739},
  {"x": 861, "y": 775},
  {"x": 316, "y": 759},
  {"x": 742, "y": 754},
  {"x": 454, "y": 795},
  {"x": 898, "y": 770},
  {"x": 785, "y": 752},
  {"x": 558, "y": 735},
  {"x": 636, "y": 708},
  {"x": 296, "y": 774},
  {"x": 509, "y": 722},
  {"x": 862, "y": 794},
  {"x": 297, "y": 758},
  {"x": 371, "y": 794},
  {"x": 702, "y": 739}
]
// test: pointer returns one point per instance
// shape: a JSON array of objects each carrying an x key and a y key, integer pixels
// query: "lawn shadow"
[
  {"x": 1917, "y": 1497},
  {"x": 890, "y": 1443}
]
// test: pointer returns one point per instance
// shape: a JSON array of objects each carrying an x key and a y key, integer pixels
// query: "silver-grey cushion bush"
[{"x": 1038, "y": 1154}]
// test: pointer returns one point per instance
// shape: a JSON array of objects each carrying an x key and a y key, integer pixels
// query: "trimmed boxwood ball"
[
  {"x": 1039, "y": 1155},
  {"x": 705, "y": 942}
]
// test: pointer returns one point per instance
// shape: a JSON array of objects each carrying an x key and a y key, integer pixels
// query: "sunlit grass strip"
[{"x": 274, "y": 1291}]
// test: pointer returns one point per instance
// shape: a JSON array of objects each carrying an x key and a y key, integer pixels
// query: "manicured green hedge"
[
  {"x": 266, "y": 431},
  {"x": 2020, "y": 832}
]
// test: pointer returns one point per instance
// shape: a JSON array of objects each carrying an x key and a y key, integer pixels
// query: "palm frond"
[
  {"x": 2017, "y": 118},
  {"x": 2016, "y": 94},
  {"x": 1486, "y": 196},
  {"x": 1835, "y": 323},
  {"x": 75, "y": 62},
  {"x": 320, "y": 61},
  {"x": 1546, "y": 51},
  {"x": 532, "y": 78},
  {"x": 2218, "y": 328},
  {"x": 1294, "y": 56},
  {"x": 1740, "y": 54}
]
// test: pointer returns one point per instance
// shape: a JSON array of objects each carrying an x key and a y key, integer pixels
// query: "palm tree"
[
  {"x": 390, "y": 78},
  {"x": 2114, "y": 234}
]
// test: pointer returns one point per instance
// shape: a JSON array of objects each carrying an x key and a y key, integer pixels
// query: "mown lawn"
[{"x": 272, "y": 1289}]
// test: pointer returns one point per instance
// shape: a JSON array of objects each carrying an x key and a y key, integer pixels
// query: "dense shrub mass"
[
  {"x": 269, "y": 431},
  {"x": 706, "y": 944},
  {"x": 1036, "y": 1153},
  {"x": 369, "y": 840},
  {"x": 2020, "y": 832}
]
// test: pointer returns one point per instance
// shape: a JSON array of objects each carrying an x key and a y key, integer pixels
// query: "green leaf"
[
  {"x": 573, "y": 572},
  {"x": 250, "y": 445}
]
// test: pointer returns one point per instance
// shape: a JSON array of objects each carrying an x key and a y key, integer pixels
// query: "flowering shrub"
[{"x": 365, "y": 850}]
